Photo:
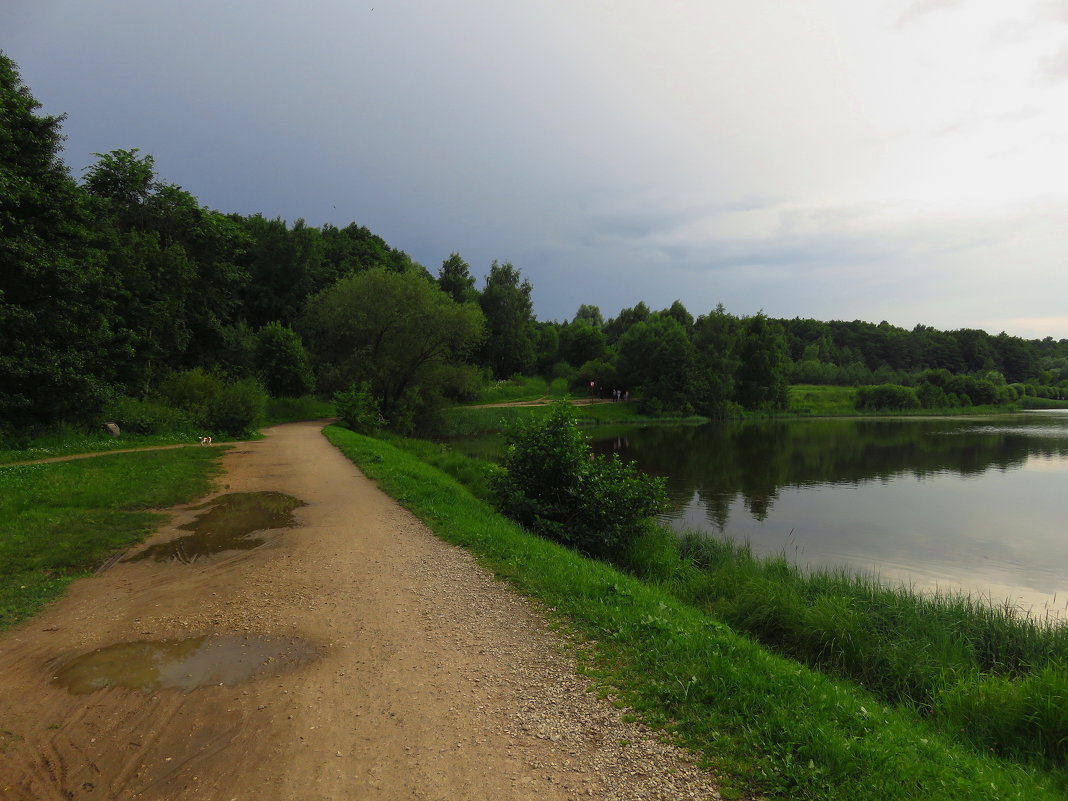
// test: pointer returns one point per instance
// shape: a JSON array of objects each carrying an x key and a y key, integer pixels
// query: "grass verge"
[
  {"x": 64, "y": 441},
  {"x": 63, "y": 520},
  {"x": 763, "y": 722}
]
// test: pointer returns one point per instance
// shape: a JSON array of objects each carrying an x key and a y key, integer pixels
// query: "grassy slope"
[
  {"x": 833, "y": 401},
  {"x": 763, "y": 721},
  {"x": 62, "y": 520}
]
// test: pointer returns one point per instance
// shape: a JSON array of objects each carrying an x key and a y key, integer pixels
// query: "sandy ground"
[{"x": 422, "y": 677}]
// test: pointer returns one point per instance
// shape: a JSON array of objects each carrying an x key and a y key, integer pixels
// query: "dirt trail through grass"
[{"x": 351, "y": 656}]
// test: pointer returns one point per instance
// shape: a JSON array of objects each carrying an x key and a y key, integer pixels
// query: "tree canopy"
[
  {"x": 397, "y": 332},
  {"x": 109, "y": 286}
]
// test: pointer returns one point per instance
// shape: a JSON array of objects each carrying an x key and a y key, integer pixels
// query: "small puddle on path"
[
  {"x": 226, "y": 526},
  {"x": 181, "y": 664}
]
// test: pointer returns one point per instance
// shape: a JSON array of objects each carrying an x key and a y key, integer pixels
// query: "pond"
[{"x": 958, "y": 504}]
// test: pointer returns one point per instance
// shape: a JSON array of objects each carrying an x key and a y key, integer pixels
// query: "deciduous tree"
[{"x": 396, "y": 331}]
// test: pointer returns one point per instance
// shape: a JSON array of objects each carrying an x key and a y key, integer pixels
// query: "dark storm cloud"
[{"x": 762, "y": 155}]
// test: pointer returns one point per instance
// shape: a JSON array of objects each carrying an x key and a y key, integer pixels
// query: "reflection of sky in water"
[{"x": 997, "y": 534}]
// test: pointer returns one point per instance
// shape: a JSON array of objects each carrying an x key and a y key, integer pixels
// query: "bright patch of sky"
[{"x": 897, "y": 159}]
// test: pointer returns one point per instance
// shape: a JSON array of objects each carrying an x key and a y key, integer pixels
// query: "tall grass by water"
[
  {"x": 944, "y": 656},
  {"x": 764, "y": 722},
  {"x": 63, "y": 520},
  {"x": 940, "y": 657}
]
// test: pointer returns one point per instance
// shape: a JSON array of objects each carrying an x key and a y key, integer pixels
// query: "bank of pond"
[
  {"x": 923, "y": 559},
  {"x": 877, "y": 691}
]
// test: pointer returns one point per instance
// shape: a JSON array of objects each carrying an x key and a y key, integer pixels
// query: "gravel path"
[{"x": 407, "y": 672}]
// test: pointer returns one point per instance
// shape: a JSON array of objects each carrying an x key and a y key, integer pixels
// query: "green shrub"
[
  {"x": 190, "y": 390},
  {"x": 887, "y": 396},
  {"x": 148, "y": 417},
  {"x": 282, "y": 362},
  {"x": 290, "y": 410},
  {"x": 358, "y": 409},
  {"x": 553, "y": 485},
  {"x": 236, "y": 409}
]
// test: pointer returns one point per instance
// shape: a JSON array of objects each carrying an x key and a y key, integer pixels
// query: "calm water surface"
[{"x": 952, "y": 503}]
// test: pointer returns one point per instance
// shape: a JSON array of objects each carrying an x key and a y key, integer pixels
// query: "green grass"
[
  {"x": 292, "y": 410},
  {"x": 473, "y": 473},
  {"x": 941, "y": 656},
  {"x": 63, "y": 520},
  {"x": 764, "y": 722},
  {"x": 834, "y": 401},
  {"x": 822, "y": 400},
  {"x": 69, "y": 441},
  {"x": 522, "y": 388},
  {"x": 1027, "y": 402},
  {"x": 463, "y": 420}
]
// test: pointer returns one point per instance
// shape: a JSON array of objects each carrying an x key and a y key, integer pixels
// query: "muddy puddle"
[
  {"x": 181, "y": 664},
  {"x": 227, "y": 525}
]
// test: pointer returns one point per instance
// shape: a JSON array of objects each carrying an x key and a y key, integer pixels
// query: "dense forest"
[{"x": 121, "y": 297}]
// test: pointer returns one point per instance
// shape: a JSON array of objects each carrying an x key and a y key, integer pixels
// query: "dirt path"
[{"x": 399, "y": 670}]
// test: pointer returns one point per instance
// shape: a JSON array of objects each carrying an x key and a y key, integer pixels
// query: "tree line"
[{"x": 118, "y": 288}]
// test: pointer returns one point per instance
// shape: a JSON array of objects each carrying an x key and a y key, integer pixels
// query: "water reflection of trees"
[{"x": 754, "y": 460}]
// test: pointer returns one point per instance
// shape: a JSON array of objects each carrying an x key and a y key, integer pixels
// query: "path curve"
[{"x": 431, "y": 679}]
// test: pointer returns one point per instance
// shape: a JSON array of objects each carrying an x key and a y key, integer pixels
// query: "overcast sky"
[{"x": 904, "y": 160}]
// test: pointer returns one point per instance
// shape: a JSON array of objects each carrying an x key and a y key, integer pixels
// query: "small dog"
[{"x": 205, "y": 440}]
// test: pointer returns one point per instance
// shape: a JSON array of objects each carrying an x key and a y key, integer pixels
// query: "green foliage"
[
  {"x": 887, "y": 396},
  {"x": 358, "y": 409},
  {"x": 822, "y": 400},
  {"x": 601, "y": 373},
  {"x": 455, "y": 279},
  {"x": 291, "y": 410},
  {"x": 399, "y": 333},
  {"x": 762, "y": 359},
  {"x": 282, "y": 362},
  {"x": 581, "y": 342},
  {"x": 237, "y": 409},
  {"x": 135, "y": 416},
  {"x": 55, "y": 335},
  {"x": 658, "y": 361},
  {"x": 233, "y": 408},
  {"x": 511, "y": 345},
  {"x": 553, "y": 485},
  {"x": 123, "y": 177}
]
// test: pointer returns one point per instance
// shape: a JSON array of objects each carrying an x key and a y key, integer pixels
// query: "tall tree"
[
  {"x": 171, "y": 264},
  {"x": 591, "y": 315},
  {"x": 616, "y": 327},
  {"x": 511, "y": 346},
  {"x": 56, "y": 340},
  {"x": 396, "y": 331},
  {"x": 455, "y": 279},
  {"x": 282, "y": 362},
  {"x": 716, "y": 341},
  {"x": 657, "y": 358},
  {"x": 761, "y": 378}
]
